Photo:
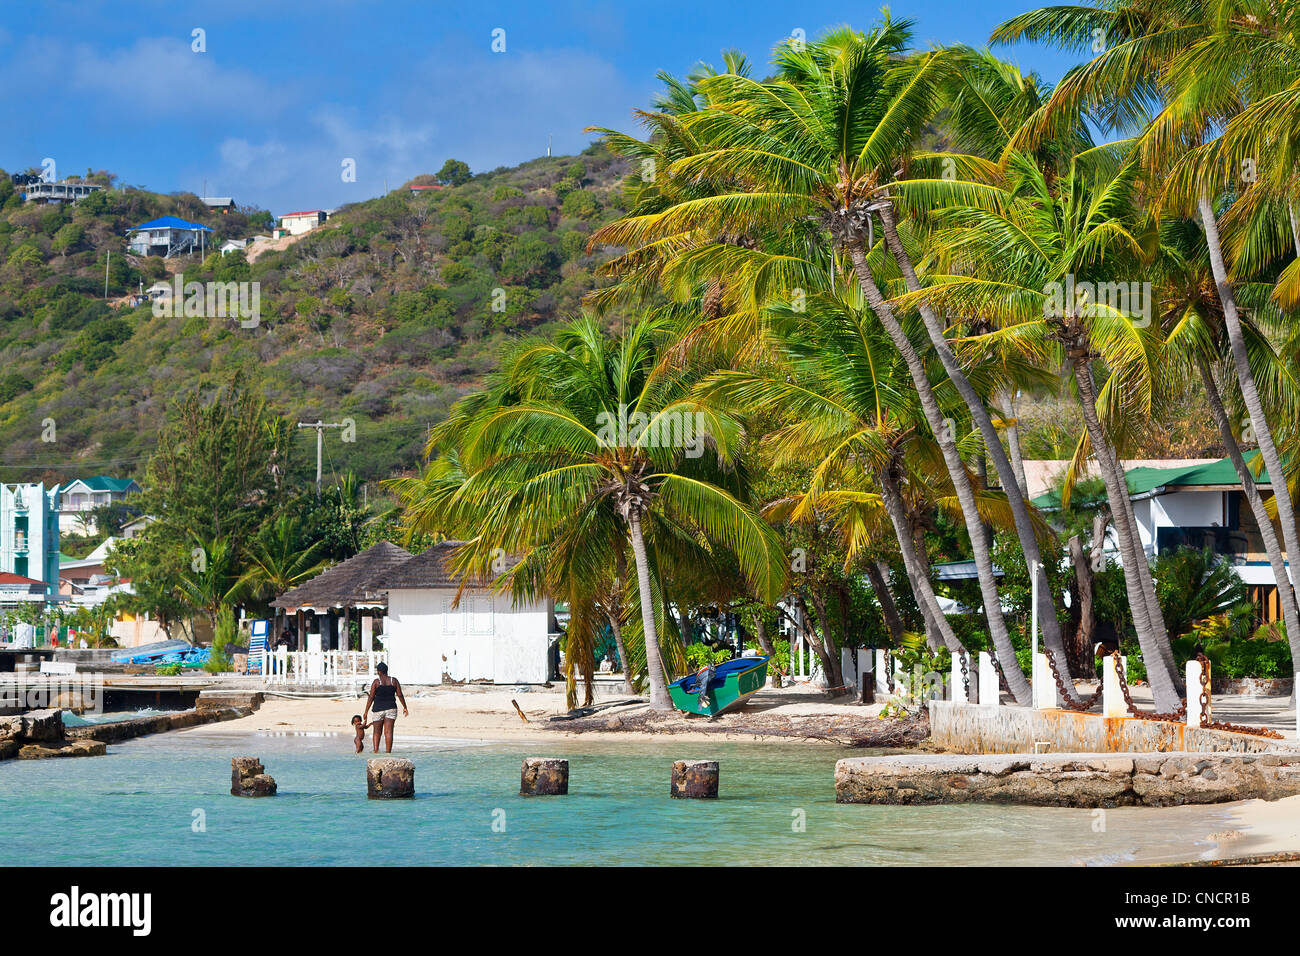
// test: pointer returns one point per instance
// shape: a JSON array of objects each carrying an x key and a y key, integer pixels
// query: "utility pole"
[{"x": 320, "y": 427}]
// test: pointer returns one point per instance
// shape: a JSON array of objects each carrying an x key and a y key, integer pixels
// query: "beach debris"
[
  {"x": 248, "y": 778},
  {"x": 519, "y": 711},
  {"x": 694, "y": 780},
  {"x": 389, "y": 778},
  {"x": 544, "y": 776}
]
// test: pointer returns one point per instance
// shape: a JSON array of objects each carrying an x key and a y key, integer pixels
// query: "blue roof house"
[{"x": 168, "y": 236}]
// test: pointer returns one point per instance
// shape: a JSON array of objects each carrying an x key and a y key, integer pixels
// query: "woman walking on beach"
[{"x": 385, "y": 692}]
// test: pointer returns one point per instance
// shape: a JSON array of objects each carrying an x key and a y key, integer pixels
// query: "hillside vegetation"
[{"x": 385, "y": 315}]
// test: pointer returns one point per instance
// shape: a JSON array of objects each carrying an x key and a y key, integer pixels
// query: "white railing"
[{"x": 320, "y": 667}]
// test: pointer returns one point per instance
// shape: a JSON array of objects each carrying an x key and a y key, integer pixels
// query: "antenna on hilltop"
[{"x": 548, "y": 144}]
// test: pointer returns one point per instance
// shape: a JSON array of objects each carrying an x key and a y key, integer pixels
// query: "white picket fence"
[{"x": 321, "y": 667}]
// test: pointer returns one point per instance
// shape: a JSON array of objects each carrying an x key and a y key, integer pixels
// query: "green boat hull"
[{"x": 726, "y": 692}]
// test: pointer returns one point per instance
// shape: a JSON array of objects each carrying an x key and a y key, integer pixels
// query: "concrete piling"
[
  {"x": 389, "y": 778},
  {"x": 695, "y": 780},
  {"x": 248, "y": 778},
  {"x": 544, "y": 776}
]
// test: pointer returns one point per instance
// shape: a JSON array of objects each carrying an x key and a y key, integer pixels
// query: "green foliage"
[
  {"x": 454, "y": 172},
  {"x": 223, "y": 635},
  {"x": 700, "y": 655}
]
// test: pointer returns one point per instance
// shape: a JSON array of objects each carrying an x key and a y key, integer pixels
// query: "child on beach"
[{"x": 360, "y": 728}]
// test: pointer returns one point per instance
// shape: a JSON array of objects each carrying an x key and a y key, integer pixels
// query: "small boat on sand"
[{"x": 733, "y": 683}]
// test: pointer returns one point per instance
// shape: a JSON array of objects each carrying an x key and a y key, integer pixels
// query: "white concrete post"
[
  {"x": 1112, "y": 695},
  {"x": 900, "y": 679},
  {"x": 367, "y": 632},
  {"x": 990, "y": 687},
  {"x": 1195, "y": 717},
  {"x": 1045, "y": 694},
  {"x": 958, "y": 695},
  {"x": 882, "y": 676}
]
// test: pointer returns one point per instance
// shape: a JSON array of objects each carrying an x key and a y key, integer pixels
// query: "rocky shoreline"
[{"x": 40, "y": 734}]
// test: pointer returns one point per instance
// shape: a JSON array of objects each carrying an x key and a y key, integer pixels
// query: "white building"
[
  {"x": 296, "y": 223},
  {"x": 29, "y": 534},
  {"x": 431, "y": 638}
]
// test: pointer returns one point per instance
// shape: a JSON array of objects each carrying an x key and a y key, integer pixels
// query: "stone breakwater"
[
  {"x": 1069, "y": 780},
  {"x": 40, "y": 733}
]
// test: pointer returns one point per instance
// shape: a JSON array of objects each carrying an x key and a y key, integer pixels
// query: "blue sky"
[{"x": 286, "y": 91}]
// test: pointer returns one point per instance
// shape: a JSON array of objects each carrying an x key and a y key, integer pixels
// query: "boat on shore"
[{"x": 733, "y": 683}]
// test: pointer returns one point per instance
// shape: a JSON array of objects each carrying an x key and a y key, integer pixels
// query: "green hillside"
[{"x": 385, "y": 315}]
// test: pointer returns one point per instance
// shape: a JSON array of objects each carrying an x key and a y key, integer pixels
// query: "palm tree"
[
  {"x": 587, "y": 427},
  {"x": 1186, "y": 71},
  {"x": 1192, "y": 319},
  {"x": 844, "y": 399},
  {"x": 809, "y": 155},
  {"x": 1018, "y": 264}
]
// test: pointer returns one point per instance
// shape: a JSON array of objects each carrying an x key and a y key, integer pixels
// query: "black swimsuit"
[{"x": 385, "y": 696}]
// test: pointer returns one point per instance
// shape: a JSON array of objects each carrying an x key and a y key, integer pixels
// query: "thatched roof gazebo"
[{"x": 349, "y": 586}]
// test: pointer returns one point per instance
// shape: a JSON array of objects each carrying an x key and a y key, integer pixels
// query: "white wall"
[
  {"x": 485, "y": 638},
  {"x": 1189, "y": 509}
]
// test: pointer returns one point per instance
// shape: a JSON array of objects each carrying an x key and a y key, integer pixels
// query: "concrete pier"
[
  {"x": 695, "y": 780},
  {"x": 544, "y": 776},
  {"x": 1068, "y": 780},
  {"x": 389, "y": 778}
]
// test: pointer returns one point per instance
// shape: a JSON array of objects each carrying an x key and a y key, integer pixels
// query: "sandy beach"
[{"x": 799, "y": 713}]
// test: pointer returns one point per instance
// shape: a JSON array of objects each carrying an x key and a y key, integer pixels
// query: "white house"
[
  {"x": 78, "y": 498},
  {"x": 296, "y": 223},
  {"x": 430, "y": 638}
]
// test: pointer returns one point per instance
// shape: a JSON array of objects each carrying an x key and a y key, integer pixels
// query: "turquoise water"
[{"x": 142, "y": 803}]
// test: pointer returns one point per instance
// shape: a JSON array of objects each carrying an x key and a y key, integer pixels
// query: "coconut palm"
[
  {"x": 1017, "y": 264},
  {"x": 1186, "y": 71},
  {"x": 811, "y": 153},
  {"x": 847, "y": 404},
  {"x": 587, "y": 428},
  {"x": 1194, "y": 348}
]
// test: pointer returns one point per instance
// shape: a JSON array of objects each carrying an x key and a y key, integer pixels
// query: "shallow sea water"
[{"x": 143, "y": 804}]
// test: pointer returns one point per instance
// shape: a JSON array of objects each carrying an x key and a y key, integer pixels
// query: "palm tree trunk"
[
  {"x": 885, "y": 598},
  {"x": 825, "y": 645},
  {"x": 1249, "y": 392},
  {"x": 1162, "y": 685},
  {"x": 659, "y": 699},
  {"x": 926, "y": 600},
  {"x": 1155, "y": 614},
  {"x": 1013, "y": 442},
  {"x": 1295, "y": 228},
  {"x": 1285, "y": 589},
  {"x": 956, "y": 470},
  {"x": 1007, "y": 476}
]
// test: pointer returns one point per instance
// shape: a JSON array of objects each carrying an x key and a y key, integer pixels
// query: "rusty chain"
[
  {"x": 965, "y": 676},
  {"x": 1221, "y": 724},
  {"x": 1082, "y": 705},
  {"x": 1177, "y": 716}
]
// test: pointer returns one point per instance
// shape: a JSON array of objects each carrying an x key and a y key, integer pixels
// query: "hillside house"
[
  {"x": 296, "y": 223},
  {"x": 432, "y": 638},
  {"x": 43, "y": 192},
  {"x": 426, "y": 190},
  {"x": 80, "y": 497},
  {"x": 219, "y": 203},
  {"x": 168, "y": 236}
]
